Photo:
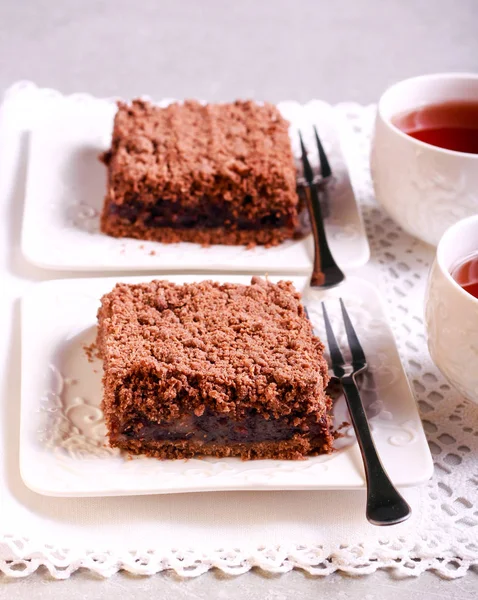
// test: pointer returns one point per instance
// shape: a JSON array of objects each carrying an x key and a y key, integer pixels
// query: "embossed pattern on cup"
[
  {"x": 452, "y": 314},
  {"x": 425, "y": 189}
]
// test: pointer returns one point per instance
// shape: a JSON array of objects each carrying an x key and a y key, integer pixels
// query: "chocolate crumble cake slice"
[
  {"x": 212, "y": 174},
  {"x": 212, "y": 369}
]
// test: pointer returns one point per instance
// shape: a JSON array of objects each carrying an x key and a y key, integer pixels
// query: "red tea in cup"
[
  {"x": 466, "y": 275},
  {"x": 451, "y": 125}
]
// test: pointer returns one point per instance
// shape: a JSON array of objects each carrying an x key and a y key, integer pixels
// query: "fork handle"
[
  {"x": 385, "y": 505},
  {"x": 326, "y": 272}
]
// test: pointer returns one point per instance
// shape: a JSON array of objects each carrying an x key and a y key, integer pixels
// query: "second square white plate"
[
  {"x": 64, "y": 450},
  {"x": 66, "y": 185}
]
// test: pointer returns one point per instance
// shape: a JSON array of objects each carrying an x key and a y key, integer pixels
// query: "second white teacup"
[
  {"x": 452, "y": 313},
  {"x": 424, "y": 188}
]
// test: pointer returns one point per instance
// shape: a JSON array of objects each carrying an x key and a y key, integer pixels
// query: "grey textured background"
[{"x": 218, "y": 50}]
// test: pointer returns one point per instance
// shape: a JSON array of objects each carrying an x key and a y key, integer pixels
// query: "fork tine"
[
  {"x": 308, "y": 173},
  {"x": 334, "y": 350},
  {"x": 325, "y": 169},
  {"x": 358, "y": 355}
]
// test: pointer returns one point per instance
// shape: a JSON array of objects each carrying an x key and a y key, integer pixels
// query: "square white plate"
[
  {"x": 63, "y": 449},
  {"x": 66, "y": 186}
]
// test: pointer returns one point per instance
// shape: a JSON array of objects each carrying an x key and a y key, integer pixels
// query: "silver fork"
[
  {"x": 325, "y": 273},
  {"x": 385, "y": 506}
]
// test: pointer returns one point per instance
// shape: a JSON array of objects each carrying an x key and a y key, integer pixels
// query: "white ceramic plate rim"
[
  {"x": 65, "y": 187},
  {"x": 51, "y": 315}
]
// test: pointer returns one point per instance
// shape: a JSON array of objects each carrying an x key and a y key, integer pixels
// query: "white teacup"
[
  {"x": 451, "y": 313},
  {"x": 426, "y": 189}
]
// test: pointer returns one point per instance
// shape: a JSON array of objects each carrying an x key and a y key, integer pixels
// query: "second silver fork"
[
  {"x": 326, "y": 273},
  {"x": 385, "y": 505}
]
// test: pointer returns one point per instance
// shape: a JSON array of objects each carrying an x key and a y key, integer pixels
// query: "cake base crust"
[
  {"x": 297, "y": 448},
  {"x": 118, "y": 227}
]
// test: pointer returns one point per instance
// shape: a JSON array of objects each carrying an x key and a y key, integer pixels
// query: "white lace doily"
[{"x": 319, "y": 532}]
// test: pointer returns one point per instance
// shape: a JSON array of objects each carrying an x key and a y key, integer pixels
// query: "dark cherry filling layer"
[
  {"x": 206, "y": 215},
  {"x": 210, "y": 427}
]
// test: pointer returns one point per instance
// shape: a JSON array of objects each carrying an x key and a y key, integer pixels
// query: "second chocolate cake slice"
[
  {"x": 212, "y": 369},
  {"x": 212, "y": 174}
]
